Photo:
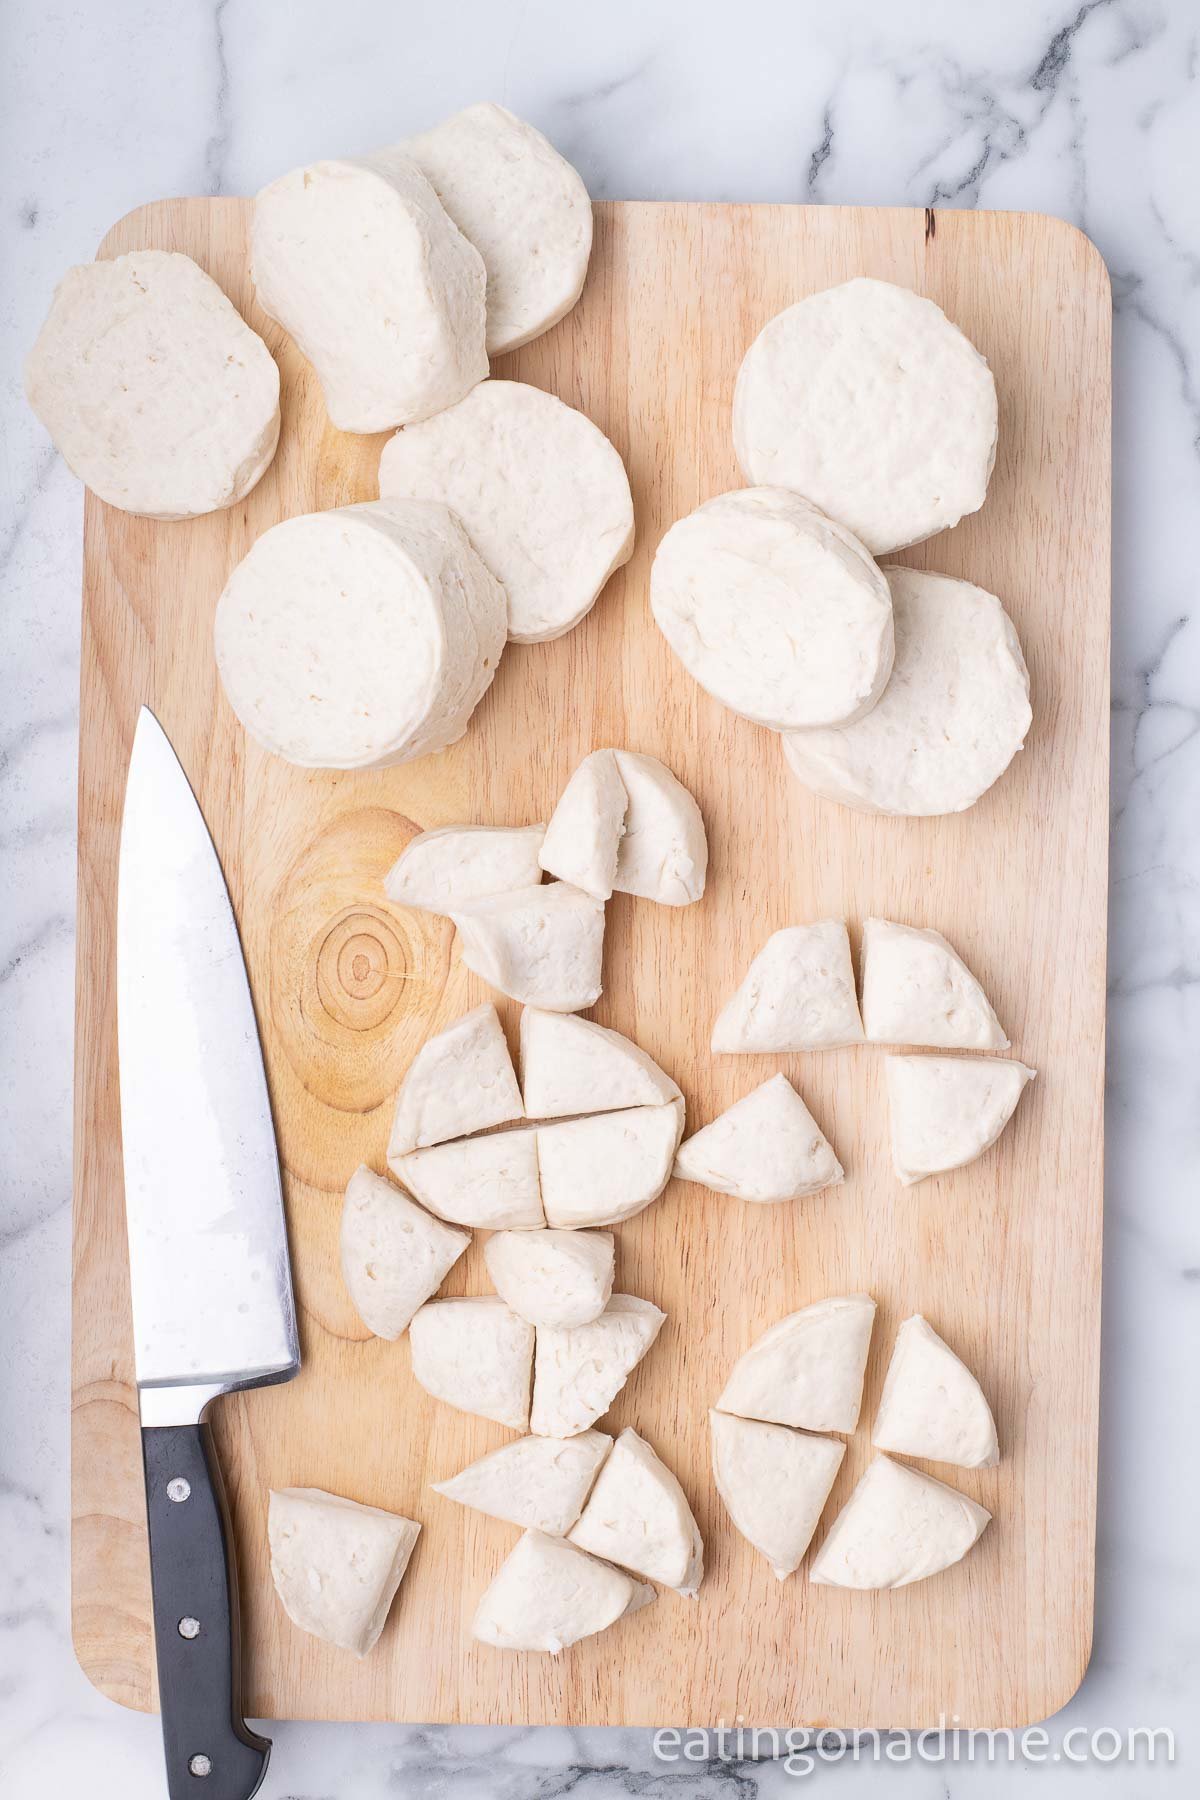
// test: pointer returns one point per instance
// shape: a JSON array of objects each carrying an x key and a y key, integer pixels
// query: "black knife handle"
[{"x": 211, "y": 1753}]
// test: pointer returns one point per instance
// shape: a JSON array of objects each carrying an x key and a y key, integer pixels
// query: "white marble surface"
[{"x": 1090, "y": 111}]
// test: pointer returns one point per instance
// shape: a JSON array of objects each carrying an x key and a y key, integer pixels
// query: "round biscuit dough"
[
  {"x": 775, "y": 610},
  {"x": 523, "y": 207},
  {"x": 363, "y": 267},
  {"x": 869, "y": 402},
  {"x": 951, "y": 719},
  {"x": 156, "y": 392},
  {"x": 542, "y": 493},
  {"x": 359, "y": 637}
]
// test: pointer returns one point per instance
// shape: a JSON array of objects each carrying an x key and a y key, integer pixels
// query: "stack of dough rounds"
[
  {"x": 869, "y": 402},
  {"x": 523, "y": 207},
  {"x": 776, "y": 610},
  {"x": 155, "y": 390},
  {"x": 360, "y": 637},
  {"x": 359, "y": 261},
  {"x": 950, "y": 720},
  {"x": 541, "y": 491}
]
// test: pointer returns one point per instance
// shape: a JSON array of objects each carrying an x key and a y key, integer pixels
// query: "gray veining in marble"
[{"x": 1090, "y": 111}]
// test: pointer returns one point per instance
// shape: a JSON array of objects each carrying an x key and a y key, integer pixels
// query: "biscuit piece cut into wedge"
[
  {"x": 638, "y": 1517},
  {"x": 456, "y": 864},
  {"x": 798, "y": 994},
  {"x": 766, "y": 1147},
  {"x": 547, "y": 1595},
  {"x": 489, "y": 1182},
  {"x": 541, "y": 945},
  {"x": 947, "y": 1110},
  {"x": 603, "y": 1169},
  {"x": 552, "y": 1277},
  {"x": 898, "y": 1526},
  {"x": 917, "y": 990},
  {"x": 394, "y": 1253},
  {"x": 476, "y": 1355},
  {"x": 774, "y": 1482},
  {"x": 571, "y": 1065},
  {"x": 460, "y": 1081},
  {"x": 336, "y": 1565},
  {"x": 807, "y": 1370},
  {"x": 663, "y": 855},
  {"x": 932, "y": 1405},
  {"x": 586, "y": 827},
  {"x": 539, "y": 1483},
  {"x": 580, "y": 1370}
]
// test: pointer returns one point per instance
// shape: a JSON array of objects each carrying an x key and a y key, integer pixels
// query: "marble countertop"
[{"x": 1089, "y": 109}]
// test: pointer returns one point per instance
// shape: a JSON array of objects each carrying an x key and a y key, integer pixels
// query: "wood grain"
[{"x": 1003, "y": 1257}]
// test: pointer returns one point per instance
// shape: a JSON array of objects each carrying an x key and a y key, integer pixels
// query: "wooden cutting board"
[{"x": 1002, "y": 1257}]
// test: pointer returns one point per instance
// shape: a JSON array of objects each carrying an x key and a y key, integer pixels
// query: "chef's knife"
[{"x": 208, "y": 1256}]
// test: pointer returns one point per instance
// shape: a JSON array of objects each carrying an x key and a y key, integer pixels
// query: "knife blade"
[{"x": 210, "y": 1275}]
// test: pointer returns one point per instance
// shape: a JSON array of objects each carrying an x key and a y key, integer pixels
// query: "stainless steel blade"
[{"x": 208, "y": 1254}]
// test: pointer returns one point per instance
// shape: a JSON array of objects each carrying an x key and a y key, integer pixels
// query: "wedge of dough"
[
  {"x": 539, "y": 1483},
  {"x": 898, "y": 1526},
  {"x": 932, "y": 1406},
  {"x": 552, "y": 1277},
  {"x": 454, "y": 864},
  {"x": 867, "y": 400},
  {"x": 585, "y": 830},
  {"x": 542, "y": 493},
  {"x": 488, "y": 1182},
  {"x": 571, "y": 1065},
  {"x": 547, "y": 1595},
  {"x": 663, "y": 855},
  {"x": 541, "y": 945},
  {"x": 394, "y": 1255},
  {"x": 947, "y": 1110},
  {"x": 807, "y": 1370},
  {"x": 766, "y": 1147},
  {"x": 523, "y": 207},
  {"x": 774, "y": 1482},
  {"x": 579, "y": 1372},
  {"x": 460, "y": 1081},
  {"x": 950, "y": 720},
  {"x": 775, "y": 610},
  {"x": 336, "y": 1564},
  {"x": 603, "y": 1169},
  {"x": 156, "y": 392},
  {"x": 361, "y": 264},
  {"x": 638, "y": 1517},
  {"x": 359, "y": 637},
  {"x": 797, "y": 994},
  {"x": 917, "y": 990},
  {"x": 476, "y": 1355}
]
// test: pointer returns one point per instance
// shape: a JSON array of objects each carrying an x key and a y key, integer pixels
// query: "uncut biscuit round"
[
  {"x": 155, "y": 390},
  {"x": 543, "y": 495},
  {"x": 359, "y": 637},
  {"x": 951, "y": 719},
  {"x": 775, "y": 610},
  {"x": 869, "y": 402}
]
